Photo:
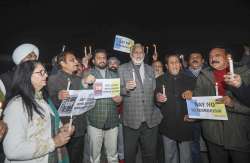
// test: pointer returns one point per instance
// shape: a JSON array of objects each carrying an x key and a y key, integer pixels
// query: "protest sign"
[
  {"x": 206, "y": 108},
  {"x": 123, "y": 44},
  {"x": 80, "y": 101},
  {"x": 106, "y": 88}
]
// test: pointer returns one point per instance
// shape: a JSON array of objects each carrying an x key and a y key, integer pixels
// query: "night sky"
[{"x": 173, "y": 25}]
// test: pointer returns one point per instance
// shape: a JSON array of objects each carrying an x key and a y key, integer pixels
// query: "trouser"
[
  {"x": 145, "y": 137},
  {"x": 75, "y": 149},
  {"x": 195, "y": 146},
  {"x": 120, "y": 145},
  {"x": 177, "y": 152},
  {"x": 86, "y": 152},
  {"x": 97, "y": 137},
  {"x": 2, "y": 156},
  {"x": 160, "y": 149},
  {"x": 218, "y": 154}
]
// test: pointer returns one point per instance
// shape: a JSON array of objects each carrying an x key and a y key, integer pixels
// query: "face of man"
[
  {"x": 195, "y": 61},
  {"x": 30, "y": 57},
  {"x": 100, "y": 60},
  {"x": 113, "y": 65},
  {"x": 158, "y": 68},
  {"x": 70, "y": 63},
  {"x": 137, "y": 55},
  {"x": 173, "y": 65},
  {"x": 218, "y": 58}
]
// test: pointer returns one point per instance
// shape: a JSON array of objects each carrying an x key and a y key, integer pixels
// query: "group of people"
[{"x": 148, "y": 122}]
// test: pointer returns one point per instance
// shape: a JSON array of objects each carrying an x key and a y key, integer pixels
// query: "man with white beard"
[{"x": 140, "y": 118}]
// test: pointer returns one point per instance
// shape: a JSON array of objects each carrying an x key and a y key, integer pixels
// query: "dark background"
[{"x": 172, "y": 25}]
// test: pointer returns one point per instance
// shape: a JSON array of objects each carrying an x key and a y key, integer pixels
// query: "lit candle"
[
  {"x": 68, "y": 86},
  {"x": 163, "y": 90},
  {"x": 71, "y": 114},
  {"x": 155, "y": 51},
  {"x": 133, "y": 72},
  {"x": 63, "y": 48},
  {"x": 90, "y": 50},
  {"x": 71, "y": 119},
  {"x": 231, "y": 66},
  {"x": 146, "y": 49},
  {"x": 182, "y": 58},
  {"x": 85, "y": 50},
  {"x": 1, "y": 110},
  {"x": 216, "y": 89}
]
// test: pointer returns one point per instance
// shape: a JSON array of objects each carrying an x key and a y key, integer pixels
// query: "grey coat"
[
  {"x": 139, "y": 102},
  {"x": 233, "y": 134}
]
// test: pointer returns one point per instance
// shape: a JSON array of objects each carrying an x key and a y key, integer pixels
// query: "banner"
[
  {"x": 123, "y": 44},
  {"x": 106, "y": 88},
  {"x": 206, "y": 107},
  {"x": 80, "y": 101}
]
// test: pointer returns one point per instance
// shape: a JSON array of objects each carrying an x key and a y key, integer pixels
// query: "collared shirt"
[{"x": 195, "y": 72}]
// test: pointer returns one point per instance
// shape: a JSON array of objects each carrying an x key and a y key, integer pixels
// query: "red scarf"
[{"x": 219, "y": 78}]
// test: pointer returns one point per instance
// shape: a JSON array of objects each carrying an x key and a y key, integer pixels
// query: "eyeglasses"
[{"x": 42, "y": 72}]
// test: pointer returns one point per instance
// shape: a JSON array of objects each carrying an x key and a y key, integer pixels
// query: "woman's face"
[{"x": 39, "y": 77}]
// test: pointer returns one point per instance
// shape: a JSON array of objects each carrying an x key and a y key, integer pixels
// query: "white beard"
[
  {"x": 137, "y": 62},
  {"x": 175, "y": 72}
]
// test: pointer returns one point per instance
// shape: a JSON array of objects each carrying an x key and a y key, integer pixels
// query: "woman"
[{"x": 33, "y": 123}]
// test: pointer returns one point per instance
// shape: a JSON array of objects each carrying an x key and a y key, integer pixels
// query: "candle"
[
  {"x": 71, "y": 119},
  {"x": 85, "y": 50},
  {"x": 1, "y": 110},
  {"x": 146, "y": 49},
  {"x": 71, "y": 114},
  {"x": 216, "y": 89},
  {"x": 90, "y": 50},
  {"x": 231, "y": 66},
  {"x": 68, "y": 86},
  {"x": 163, "y": 90},
  {"x": 182, "y": 58},
  {"x": 63, "y": 48},
  {"x": 155, "y": 51},
  {"x": 133, "y": 72}
]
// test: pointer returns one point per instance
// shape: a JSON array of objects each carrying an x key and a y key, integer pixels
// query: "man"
[
  {"x": 57, "y": 87},
  {"x": 22, "y": 53},
  {"x": 140, "y": 119},
  {"x": 157, "y": 68},
  {"x": 195, "y": 62},
  {"x": 113, "y": 64},
  {"x": 176, "y": 129},
  {"x": 103, "y": 118},
  {"x": 226, "y": 139}
]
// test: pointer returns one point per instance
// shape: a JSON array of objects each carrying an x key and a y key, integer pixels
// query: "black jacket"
[
  {"x": 7, "y": 78},
  {"x": 175, "y": 108}
]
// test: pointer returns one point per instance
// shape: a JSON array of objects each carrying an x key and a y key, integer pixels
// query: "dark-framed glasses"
[{"x": 42, "y": 72}]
